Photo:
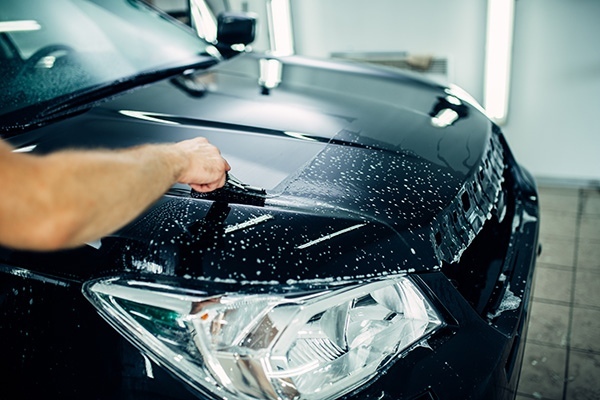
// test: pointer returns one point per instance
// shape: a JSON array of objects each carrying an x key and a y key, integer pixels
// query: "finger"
[
  {"x": 200, "y": 188},
  {"x": 208, "y": 187}
]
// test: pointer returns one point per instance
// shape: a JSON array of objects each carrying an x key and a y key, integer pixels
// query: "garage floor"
[{"x": 562, "y": 352}]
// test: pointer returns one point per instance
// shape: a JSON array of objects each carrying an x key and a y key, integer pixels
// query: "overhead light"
[
  {"x": 203, "y": 21},
  {"x": 19, "y": 26},
  {"x": 498, "y": 49},
  {"x": 280, "y": 27},
  {"x": 270, "y": 73}
]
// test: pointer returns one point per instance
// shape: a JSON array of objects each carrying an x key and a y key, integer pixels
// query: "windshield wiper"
[
  {"x": 83, "y": 99},
  {"x": 100, "y": 92}
]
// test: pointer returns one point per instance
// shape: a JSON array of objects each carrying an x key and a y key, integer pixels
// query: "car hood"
[{"x": 358, "y": 164}]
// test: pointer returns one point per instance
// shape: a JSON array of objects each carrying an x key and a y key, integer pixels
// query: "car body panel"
[{"x": 341, "y": 168}]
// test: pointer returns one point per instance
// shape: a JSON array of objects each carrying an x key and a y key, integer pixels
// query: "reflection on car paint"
[
  {"x": 148, "y": 117},
  {"x": 28, "y": 274},
  {"x": 249, "y": 223},
  {"x": 329, "y": 236},
  {"x": 25, "y": 149}
]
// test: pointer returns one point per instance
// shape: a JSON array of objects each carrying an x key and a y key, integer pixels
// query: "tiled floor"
[{"x": 562, "y": 352}]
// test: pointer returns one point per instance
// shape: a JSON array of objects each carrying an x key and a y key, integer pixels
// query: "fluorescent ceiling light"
[
  {"x": 203, "y": 21},
  {"x": 280, "y": 27},
  {"x": 270, "y": 73},
  {"x": 498, "y": 49},
  {"x": 19, "y": 26}
]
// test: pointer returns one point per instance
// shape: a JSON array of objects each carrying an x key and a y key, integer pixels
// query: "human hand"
[{"x": 205, "y": 169}]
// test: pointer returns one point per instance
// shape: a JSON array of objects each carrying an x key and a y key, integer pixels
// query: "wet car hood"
[{"x": 357, "y": 163}]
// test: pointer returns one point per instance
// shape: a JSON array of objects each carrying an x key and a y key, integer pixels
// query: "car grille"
[{"x": 456, "y": 227}]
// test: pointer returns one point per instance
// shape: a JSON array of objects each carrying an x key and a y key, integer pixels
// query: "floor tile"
[
  {"x": 591, "y": 201},
  {"x": 587, "y": 288},
  {"x": 583, "y": 376},
  {"x": 567, "y": 234},
  {"x": 588, "y": 254},
  {"x": 557, "y": 251},
  {"x": 552, "y": 283},
  {"x": 542, "y": 374},
  {"x": 553, "y": 224},
  {"x": 557, "y": 191},
  {"x": 559, "y": 201},
  {"x": 548, "y": 324},
  {"x": 585, "y": 328},
  {"x": 590, "y": 227}
]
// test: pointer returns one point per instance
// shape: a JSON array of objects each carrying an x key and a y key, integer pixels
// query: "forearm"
[
  {"x": 80, "y": 196},
  {"x": 107, "y": 190},
  {"x": 67, "y": 198}
]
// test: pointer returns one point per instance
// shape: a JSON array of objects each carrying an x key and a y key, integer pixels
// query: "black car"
[{"x": 376, "y": 239}]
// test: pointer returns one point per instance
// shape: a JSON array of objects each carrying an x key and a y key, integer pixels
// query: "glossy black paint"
[{"x": 338, "y": 148}]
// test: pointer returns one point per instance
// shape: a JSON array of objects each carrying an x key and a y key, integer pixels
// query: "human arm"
[{"x": 67, "y": 198}]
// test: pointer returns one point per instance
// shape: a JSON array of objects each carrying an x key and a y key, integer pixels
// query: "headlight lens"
[{"x": 302, "y": 345}]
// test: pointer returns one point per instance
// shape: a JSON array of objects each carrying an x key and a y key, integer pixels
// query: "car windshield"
[{"x": 53, "y": 49}]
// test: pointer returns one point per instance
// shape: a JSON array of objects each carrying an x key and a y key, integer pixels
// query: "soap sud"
[
  {"x": 509, "y": 302},
  {"x": 528, "y": 218},
  {"x": 147, "y": 266}
]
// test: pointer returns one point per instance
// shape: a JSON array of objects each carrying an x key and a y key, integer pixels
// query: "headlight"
[{"x": 317, "y": 344}]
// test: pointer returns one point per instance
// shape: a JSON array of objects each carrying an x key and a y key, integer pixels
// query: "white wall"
[
  {"x": 554, "y": 118},
  {"x": 555, "y": 93},
  {"x": 453, "y": 29}
]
